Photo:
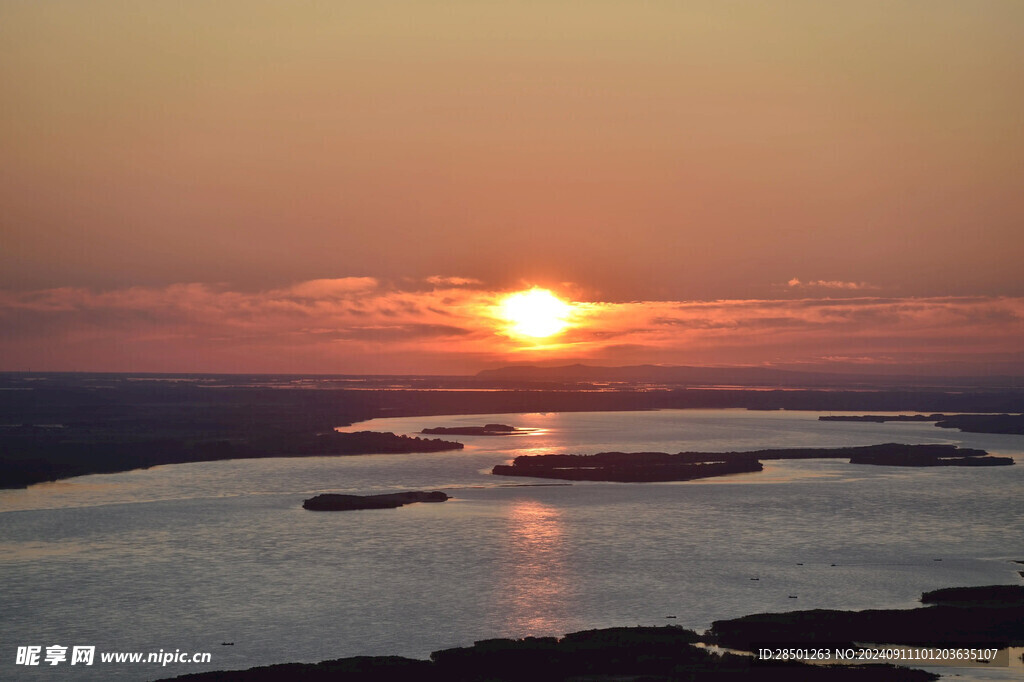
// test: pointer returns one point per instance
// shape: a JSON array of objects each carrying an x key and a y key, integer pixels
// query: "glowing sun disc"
[{"x": 536, "y": 313}]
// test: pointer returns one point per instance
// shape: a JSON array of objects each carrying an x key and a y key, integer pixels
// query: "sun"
[{"x": 536, "y": 313}]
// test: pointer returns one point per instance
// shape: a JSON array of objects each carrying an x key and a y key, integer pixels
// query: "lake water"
[{"x": 189, "y": 556}]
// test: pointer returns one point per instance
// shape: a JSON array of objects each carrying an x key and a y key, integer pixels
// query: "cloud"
[
  {"x": 326, "y": 325},
  {"x": 830, "y": 284},
  {"x": 383, "y": 333},
  {"x": 452, "y": 281},
  {"x": 328, "y": 288},
  {"x": 360, "y": 325},
  {"x": 768, "y": 331}
]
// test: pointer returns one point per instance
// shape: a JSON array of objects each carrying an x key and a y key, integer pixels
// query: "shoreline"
[
  {"x": 57, "y": 461},
  {"x": 61, "y": 432},
  {"x": 597, "y": 419},
  {"x": 984, "y": 621}
]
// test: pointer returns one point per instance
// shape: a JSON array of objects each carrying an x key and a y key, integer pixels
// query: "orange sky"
[
  {"x": 718, "y": 182},
  {"x": 454, "y": 326}
]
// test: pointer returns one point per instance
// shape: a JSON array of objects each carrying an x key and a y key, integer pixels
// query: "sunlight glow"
[{"x": 536, "y": 313}]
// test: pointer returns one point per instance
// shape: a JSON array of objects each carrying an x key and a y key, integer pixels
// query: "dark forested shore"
[
  {"x": 991, "y": 615},
  {"x": 651, "y": 654},
  {"x": 965, "y": 618},
  {"x": 55, "y": 426},
  {"x": 29, "y": 456}
]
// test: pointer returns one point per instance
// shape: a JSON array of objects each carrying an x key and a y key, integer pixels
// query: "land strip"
[{"x": 636, "y": 467}]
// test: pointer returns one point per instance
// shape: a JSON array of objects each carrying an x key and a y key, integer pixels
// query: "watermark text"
[{"x": 58, "y": 654}]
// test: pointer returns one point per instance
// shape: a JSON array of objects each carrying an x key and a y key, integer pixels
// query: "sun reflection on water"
[{"x": 538, "y": 572}]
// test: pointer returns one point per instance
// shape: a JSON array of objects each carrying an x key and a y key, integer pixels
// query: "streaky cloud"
[{"x": 363, "y": 325}]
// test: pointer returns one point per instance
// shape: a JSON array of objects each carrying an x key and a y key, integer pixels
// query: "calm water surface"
[{"x": 189, "y": 556}]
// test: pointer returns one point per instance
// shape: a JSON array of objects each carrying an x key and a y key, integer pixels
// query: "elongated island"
[
  {"x": 336, "y": 502},
  {"x": 970, "y": 423},
  {"x": 485, "y": 430},
  {"x": 650, "y": 467}
]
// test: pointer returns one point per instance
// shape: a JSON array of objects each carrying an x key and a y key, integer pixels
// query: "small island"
[
  {"x": 651, "y": 467},
  {"x": 336, "y": 502},
  {"x": 485, "y": 430},
  {"x": 881, "y": 418},
  {"x": 969, "y": 423}
]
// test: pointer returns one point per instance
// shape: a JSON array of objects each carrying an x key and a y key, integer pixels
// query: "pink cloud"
[
  {"x": 830, "y": 284},
  {"x": 359, "y": 325},
  {"x": 770, "y": 331},
  {"x": 452, "y": 281},
  {"x": 330, "y": 288}
]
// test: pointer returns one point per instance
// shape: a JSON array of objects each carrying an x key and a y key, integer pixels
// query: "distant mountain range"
[{"x": 736, "y": 376}]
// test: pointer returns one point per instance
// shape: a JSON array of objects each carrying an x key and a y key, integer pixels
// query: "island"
[
  {"x": 336, "y": 502},
  {"x": 485, "y": 430},
  {"x": 650, "y": 467},
  {"x": 630, "y": 467},
  {"x": 881, "y": 418},
  {"x": 970, "y": 423}
]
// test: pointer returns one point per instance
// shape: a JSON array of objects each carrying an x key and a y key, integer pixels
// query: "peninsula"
[
  {"x": 39, "y": 457},
  {"x": 649, "y": 467}
]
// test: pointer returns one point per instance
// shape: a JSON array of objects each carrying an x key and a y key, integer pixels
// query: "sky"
[{"x": 354, "y": 186}]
